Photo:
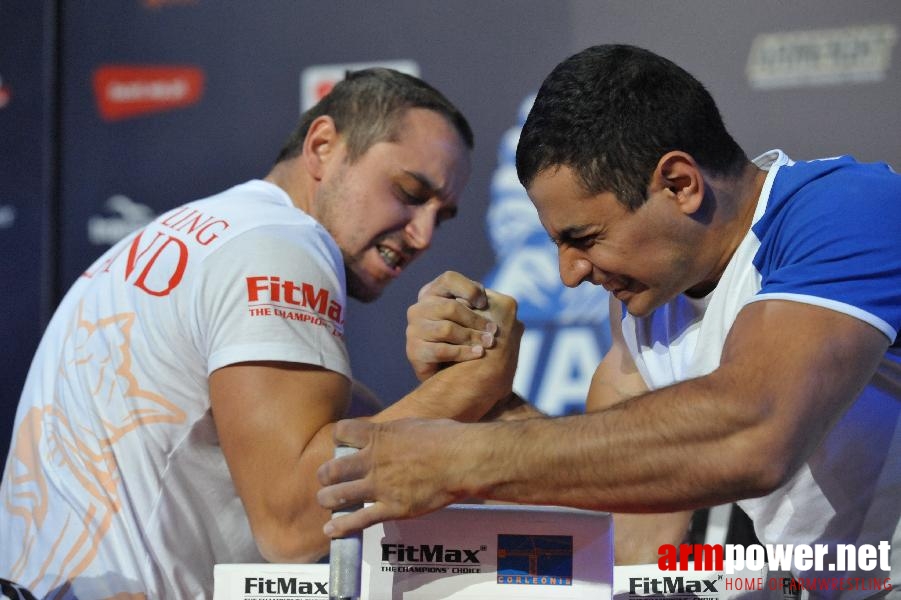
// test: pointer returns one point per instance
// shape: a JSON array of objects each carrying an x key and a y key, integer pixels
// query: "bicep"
[
  {"x": 616, "y": 377},
  {"x": 799, "y": 367},
  {"x": 637, "y": 537},
  {"x": 266, "y": 414}
]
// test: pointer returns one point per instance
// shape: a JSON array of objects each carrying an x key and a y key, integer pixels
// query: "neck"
[
  {"x": 288, "y": 176},
  {"x": 736, "y": 199}
]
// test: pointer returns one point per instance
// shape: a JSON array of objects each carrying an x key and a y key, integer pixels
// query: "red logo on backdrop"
[
  {"x": 5, "y": 94},
  {"x": 158, "y": 4},
  {"x": 124, "y": 92},
  {"x": 323, "y": 88}
]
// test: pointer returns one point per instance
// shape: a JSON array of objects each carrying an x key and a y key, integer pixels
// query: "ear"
[
  {"x": 679, "y": 177},
  {"x": 319, "y": 146}
]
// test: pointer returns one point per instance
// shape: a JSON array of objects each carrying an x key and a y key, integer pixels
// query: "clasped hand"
[{"x": 457, "y": 331}]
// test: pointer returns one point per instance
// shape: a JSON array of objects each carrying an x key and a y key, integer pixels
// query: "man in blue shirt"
[{"x": 756, "y": 359}]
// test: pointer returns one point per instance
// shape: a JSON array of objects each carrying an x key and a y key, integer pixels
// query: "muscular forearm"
[
  {"x": 739, "y": 432},
  {"x": 292, "y": 529},
  {"x": 293, "y": 533},
  {"x": 464, "y": 392},
  {"x": 626, "y": 458},
  {"x": 512, "y": 408}
]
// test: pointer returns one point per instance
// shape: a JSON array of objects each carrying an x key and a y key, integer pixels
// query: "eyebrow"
[
  {"x": 571, "y": 233},
  {"x": 424, "y": 182},
  {"x": 448, "y": 212}
]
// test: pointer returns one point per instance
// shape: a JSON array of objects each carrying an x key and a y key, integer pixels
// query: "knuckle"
[
  {"x": 412, "y": 334},
  {"x": 417, "y": 312},
  {"x": 507, "y": 304},
  {"x": 444, "y": 329},
  {"x": 445, "y": 278},
  {"x": 324, "y": 474}
]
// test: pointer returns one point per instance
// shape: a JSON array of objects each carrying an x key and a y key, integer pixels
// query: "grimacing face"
[
  {"x": 641, "y": 257},
  {"x": 384, "y": 208}
]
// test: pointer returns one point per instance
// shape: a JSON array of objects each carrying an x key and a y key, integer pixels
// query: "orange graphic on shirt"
[{"x": 80, "y": 457}]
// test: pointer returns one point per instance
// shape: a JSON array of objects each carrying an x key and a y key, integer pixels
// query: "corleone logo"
[
  {"x": 123, "y": 92},
  {"x": 284, "y": 585},
  {"x": 534, "y": 559}
]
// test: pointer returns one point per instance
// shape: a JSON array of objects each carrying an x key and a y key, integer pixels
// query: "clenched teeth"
[{"x": 391, "y": 258}]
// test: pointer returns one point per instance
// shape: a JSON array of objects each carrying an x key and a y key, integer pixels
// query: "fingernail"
[
  {"x": 481, "y": 301},
  {"x": 328, "y": 529},
  {"x": 491, "y": 327},
  {"x": 478, "y": 350},
  {"x": 487, "y": 340}
]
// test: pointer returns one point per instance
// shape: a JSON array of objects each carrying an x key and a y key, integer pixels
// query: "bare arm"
[
  {"x": 275, "y": 425},
  {"x": 274, "y": 422},
  {"x": 736, "y": 433},
  {"x": 637, "y": 537}
]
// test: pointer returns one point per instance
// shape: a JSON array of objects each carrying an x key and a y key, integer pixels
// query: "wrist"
[{"x": 470, "y": 476}]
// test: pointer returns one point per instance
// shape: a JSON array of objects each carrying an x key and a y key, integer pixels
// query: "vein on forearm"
[{"x": 629, "y": 457}]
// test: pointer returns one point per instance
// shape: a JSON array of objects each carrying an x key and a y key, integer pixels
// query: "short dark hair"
[
  {"x": 367, "y": 107},
  {"x": 611, "y": 111}
]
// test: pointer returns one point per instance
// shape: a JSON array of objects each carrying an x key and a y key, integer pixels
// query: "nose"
[
  {"x": 421, "y": 228},
  {"x": 574, "y": 267}
]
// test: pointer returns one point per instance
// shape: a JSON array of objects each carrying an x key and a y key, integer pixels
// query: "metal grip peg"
[{"x": 345, "y": 555}]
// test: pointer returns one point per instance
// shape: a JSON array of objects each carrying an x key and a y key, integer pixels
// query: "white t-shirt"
[
  {"x": 826, "y": 233},
  {"x": 115, "y": 482}
]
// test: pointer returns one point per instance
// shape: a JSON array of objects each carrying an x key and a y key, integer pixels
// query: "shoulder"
[
  {"x": 838, "y": 200},
  {"x": 261, "y": 220},
  {"x": 829, "y": 236},
  {"x": 835, "y": 189}
]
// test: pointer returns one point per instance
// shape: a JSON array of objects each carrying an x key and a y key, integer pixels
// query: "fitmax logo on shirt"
[{"x": 271, "y": 289}]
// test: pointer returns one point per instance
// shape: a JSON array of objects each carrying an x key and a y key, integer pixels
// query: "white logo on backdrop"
[
  {"x": 128, "y": 216},
  {"x": 7, "y": 216},
  {"x": 566, "y": 328},
  {"x": 318, "y": 80},
  {"x": 795, "y": 59}
]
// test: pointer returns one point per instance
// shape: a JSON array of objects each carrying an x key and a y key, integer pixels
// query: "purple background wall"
[{"x": 814, "y": 78}]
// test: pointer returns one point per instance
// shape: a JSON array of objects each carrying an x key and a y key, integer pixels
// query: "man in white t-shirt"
[{"x": 184, "y": 392}]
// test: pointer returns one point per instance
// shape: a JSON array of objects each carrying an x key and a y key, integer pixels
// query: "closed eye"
[
  {"x": 580, "y": 242},
  {"x": 410, "y": 197}
]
